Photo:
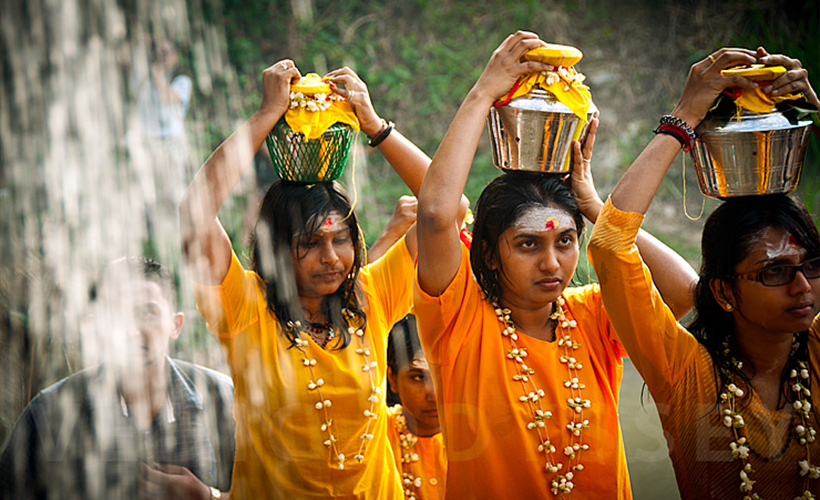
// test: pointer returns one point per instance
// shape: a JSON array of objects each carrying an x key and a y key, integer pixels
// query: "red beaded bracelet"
[{"x": 677, "y": 128}]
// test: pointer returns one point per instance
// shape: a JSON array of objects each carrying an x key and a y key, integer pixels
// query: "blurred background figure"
[
  {"x": 139, "y": 425},
  {"x": 156, "y": 140}
]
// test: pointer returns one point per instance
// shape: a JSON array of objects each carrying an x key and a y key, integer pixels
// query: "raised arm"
[
  {"x": 206, "y": 247},
  {"x": 672, "y": 275},
  {"x": 404, "y": 216},
  {"x": 440, "y": 198},
  {"x": 406, "y": 158},
  {"x": 704, "y": 84}
]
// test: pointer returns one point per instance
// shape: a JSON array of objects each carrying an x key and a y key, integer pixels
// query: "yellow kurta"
[
  {"x": 430, "y": 468},
  {"x": 680, "y": 375},
  {"x": 279, "y": 443},
  {"x": 490, "y": 451}
]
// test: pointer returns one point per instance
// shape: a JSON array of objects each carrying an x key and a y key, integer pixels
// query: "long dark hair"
[
  {"x": 501, "y": 203},
  {"x": 728, "y": 237},
  {"x": 290, "y": 211},
  {"x": 403, "y": 345}
]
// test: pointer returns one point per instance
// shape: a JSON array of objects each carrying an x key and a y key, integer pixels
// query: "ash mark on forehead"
[{"x": 540, "y": 219}]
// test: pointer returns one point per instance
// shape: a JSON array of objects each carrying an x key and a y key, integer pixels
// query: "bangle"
[
  {"x": 677, "y": 128},
  {"x": 215, "y": 493},
  {"x": 381, "y": 135}
]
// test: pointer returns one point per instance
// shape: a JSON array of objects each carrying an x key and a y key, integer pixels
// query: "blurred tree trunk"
[{"x": 302, "y": 10}]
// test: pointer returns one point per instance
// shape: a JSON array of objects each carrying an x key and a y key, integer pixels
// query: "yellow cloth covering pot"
[
  {"x": 314, "y": 108},
  {"x": 756, "y": 101}
]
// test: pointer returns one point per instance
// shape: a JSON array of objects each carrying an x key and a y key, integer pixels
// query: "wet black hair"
[
  {"x": 403, "y": 345},
  {"x": 289, "y": 212},
  {"x": 501, "y": 203},
  {"x": 729, "y": 235}
]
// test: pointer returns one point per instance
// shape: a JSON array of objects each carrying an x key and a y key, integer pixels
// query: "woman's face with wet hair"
[{"x": 323, "y": 259}]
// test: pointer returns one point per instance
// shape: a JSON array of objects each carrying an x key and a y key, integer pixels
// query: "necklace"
[
  {"x": 321, "y": 333},
  {"x": 407, "y": 441},
  {"x": 562, "y": 480},
  {"x": 804, "y": 433},
  {"x": 323, "y": 403}
]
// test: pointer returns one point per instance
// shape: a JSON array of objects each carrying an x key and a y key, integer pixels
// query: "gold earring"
[{"x": 729, "y": 307}]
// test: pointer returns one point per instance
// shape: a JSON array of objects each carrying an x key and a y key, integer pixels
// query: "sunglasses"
[{"x": 784, "y": 273}]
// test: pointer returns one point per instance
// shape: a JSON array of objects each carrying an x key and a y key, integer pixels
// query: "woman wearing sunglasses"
[{"x": 736, "y": 389}]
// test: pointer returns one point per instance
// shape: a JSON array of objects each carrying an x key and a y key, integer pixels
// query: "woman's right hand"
[
  {"x": 276, "y": 81},
  {"x": 705, "y": 83},
  {"x": 506, "y": 65}
]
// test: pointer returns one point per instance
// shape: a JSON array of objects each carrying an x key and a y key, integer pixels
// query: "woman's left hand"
[
  {"x": 356, "y": 93},
  {"x": 795, "y": 80},
  {"x": 580, "y": 176}
]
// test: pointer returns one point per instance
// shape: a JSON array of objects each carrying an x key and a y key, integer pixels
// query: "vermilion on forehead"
[
  {"x": 539, "y": 219},
  {"x": 332, "y": 223}
]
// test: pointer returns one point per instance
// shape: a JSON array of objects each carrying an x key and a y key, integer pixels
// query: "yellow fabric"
[
  {"x": 432, "y": 465},
  {"x": 759, "y": 102},
  {"x": 279, "y": 443},
  {"x": 679, "y": 373},
  {"x": 575, "y": 96},
  {"x": 314, "y": 123},
  {"x": 756, "y": 101},
  {"x": 490, "y": 451}
]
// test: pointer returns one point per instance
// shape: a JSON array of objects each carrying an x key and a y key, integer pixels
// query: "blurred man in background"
[{"x": 140, "y": 425}]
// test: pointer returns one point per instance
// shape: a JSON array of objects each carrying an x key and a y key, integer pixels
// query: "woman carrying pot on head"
[
  {"x": 734, "y": 388},
  {"x": 305, "y": 329},
  {"x": 527, "y": 369}
]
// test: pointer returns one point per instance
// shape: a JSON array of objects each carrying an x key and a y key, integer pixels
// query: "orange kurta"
[
  {"x": 680, "y": 375},
  {"x": 279, "y": 443},
  {"x": 429, "y": 468},
  {"x": 490, "y": 451}
]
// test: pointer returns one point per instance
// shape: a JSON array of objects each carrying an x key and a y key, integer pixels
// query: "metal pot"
[
  {"x": 755, "y": 155},
  {"x": 534, "y": 133}
]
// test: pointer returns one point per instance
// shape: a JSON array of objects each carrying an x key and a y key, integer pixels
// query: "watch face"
[{"x": 215, "y": 493}]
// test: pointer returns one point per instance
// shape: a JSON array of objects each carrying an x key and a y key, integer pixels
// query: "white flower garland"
[
  {"x": 804, "y": 433},
  {"x": 570, "y": 77},
  {"x": 407, "y": 441},
  {"x": 533, "y": 397},
  {"x": 324, "y": 404},
  {"x": 314, "y": 102}
]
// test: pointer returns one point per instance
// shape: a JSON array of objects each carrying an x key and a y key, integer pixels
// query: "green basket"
[{"x": 297, "y": 159}]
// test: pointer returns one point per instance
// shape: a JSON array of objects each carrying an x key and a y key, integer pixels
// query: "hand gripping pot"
[
  {"x": 534, "y": 130},
  {"x": 754, "y": 154},
  {"x": 318, "y": 149}
]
